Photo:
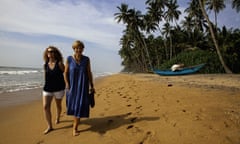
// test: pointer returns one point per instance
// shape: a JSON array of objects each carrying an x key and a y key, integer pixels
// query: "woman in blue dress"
[{"x": 78, "y": 78}]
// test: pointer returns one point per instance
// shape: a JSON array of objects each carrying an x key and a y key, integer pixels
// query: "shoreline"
[
  {"x": 142, "y": 108},
  {"x": 26, "y": 96},
  {"x": 223, "y": 82},
  {"x": 20, "y": 97}
]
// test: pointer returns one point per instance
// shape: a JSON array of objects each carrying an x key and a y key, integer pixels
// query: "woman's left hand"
[{"x": 93, "y": 90}]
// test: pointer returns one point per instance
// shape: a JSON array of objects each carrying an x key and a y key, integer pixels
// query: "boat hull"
[{"x": 184, "y": 71}]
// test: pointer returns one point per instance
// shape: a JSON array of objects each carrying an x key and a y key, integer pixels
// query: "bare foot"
[
  {"x": 76, "y": 133},
  {"x": 47, "y": 130}
]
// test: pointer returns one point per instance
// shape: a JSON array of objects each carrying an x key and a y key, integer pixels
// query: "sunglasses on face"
[
  {"x": 78, "y": 48},
  {"x": 50, "y": 51}
]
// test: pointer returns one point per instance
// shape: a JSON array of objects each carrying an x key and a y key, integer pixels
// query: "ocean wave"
[
  {"x": 17, "y": 79},
  {"x": 101, "y": 74},
  {"x": 18, "y": 72}
]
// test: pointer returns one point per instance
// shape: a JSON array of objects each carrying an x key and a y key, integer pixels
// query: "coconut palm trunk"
[{"x": 227, "y": 70}]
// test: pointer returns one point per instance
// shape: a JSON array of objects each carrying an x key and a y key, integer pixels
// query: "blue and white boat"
[{"x": 183, "y": 71}]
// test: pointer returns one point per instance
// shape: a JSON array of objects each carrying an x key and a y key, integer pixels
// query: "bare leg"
[
  {"x": 75, "y": 126},
  {"x": 59, "y": 109},
  {"x": 47, "y": 110}
]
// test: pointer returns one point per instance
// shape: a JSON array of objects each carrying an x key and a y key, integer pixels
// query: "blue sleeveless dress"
[{"x": 77, "y": 96}]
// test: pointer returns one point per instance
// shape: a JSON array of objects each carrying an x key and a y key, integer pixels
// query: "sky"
[{"x": 27, "y": 27}]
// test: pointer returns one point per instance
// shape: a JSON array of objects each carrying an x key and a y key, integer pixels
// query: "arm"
[
  {"x": 66, "y": 75},
  {"x": 61, "y": 66},
  {"x": 44, "y": 72},
  {"x": 90, "y": 76}
]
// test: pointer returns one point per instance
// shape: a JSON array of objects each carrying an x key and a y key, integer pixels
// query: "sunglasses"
[{"x": 50, "y": 51}]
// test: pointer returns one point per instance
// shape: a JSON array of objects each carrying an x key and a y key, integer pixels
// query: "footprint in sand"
[
  {"x": 129, "y": 113},
  {"x": 40, "y": 142},
  {"x": 156, "y": 110},
  {"x": 146, "y": 137},
  {"x": 138, "y": 109},
  {"x": 133, "y": 119},
  {"x": 165, "y": 117},
  {"x": 130, "y": 126},
  {"x": 106, "y": 109},
  {"x": 109, "y": 121},
  {"x": 226, "y": 124},
  {"x": 102, "y": 114},
  {"x": 136, "y": 100}
]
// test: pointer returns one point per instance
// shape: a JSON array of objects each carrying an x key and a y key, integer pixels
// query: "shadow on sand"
[{"x": 104, "y": 124}]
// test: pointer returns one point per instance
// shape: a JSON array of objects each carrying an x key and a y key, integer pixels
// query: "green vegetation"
[{"x": 156, "y": 40}]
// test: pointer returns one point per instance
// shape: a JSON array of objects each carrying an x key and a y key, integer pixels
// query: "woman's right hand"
[{"x": 67, "y": 87}]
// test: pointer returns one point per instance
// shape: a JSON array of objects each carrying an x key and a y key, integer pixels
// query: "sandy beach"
[{"x": 134, "y": 109}]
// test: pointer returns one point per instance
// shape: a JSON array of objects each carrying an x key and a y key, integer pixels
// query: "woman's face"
[
  {"x": 50, "y": 53},
  {"x": 78, "y": 50}
]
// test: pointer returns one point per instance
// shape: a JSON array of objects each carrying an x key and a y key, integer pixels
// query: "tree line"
[{"x": 156, "y": 39}]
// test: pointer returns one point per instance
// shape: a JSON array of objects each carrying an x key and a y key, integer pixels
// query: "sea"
[{"x": 19, "y": 78}]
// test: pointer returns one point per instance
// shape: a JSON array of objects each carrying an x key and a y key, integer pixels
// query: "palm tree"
[
  {"x": 187, "y": 23},
  {"x": 152, "y": 19},
  {"x": 202, "y": 2},
  {"x": 123, "y": 15},
  {"x": 129, "y": 53},
  {"x": 172, "y": 14},
  {"x": 166, "y": 32},
  {"x": 216, "y": 6},
  {"x": 236, "y": 4},
  {"x": 155, "y": 11},
  {"x": 195, "y": 13},
  {"x": 158, "y": 3},
  {"x": 134, "y": 21}
]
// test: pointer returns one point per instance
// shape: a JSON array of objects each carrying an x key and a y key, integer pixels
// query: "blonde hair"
[
  {"x": 57, "y": 54},
  {"x": 77, "y": 43}
]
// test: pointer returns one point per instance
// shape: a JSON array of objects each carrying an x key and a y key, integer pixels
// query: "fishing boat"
[{"x": 183, "y": 71}]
